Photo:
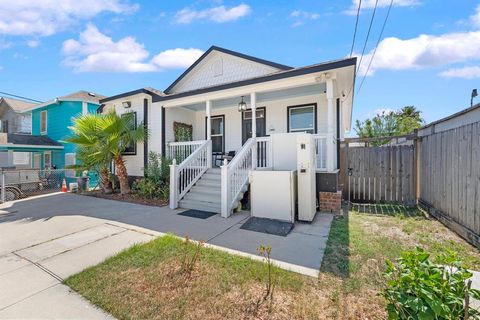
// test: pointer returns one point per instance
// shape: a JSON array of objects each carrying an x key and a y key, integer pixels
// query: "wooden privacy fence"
[
  {"x": 437, "y": 168},
  {"x": 449, "y": 178},
  {"x": 378, "y": 174}
]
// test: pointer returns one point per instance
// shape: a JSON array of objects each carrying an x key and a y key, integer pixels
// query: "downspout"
[
  {"x": 338, "y": 133},
  {"x": 145, "y": 142},
  {"x": 164, "y": 152}
]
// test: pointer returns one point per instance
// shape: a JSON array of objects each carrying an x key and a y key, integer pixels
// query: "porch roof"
[
  {"x": 276, "y": 76},
  {"x": 12, "y": 141}
]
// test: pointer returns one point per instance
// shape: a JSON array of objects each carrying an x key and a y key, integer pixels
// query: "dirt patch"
[
  {"x": 389, "y": 232},
  {"x": 132, "y": 198}
]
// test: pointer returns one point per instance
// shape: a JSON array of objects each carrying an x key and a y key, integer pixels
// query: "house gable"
[{"x": 219, "y": 66}]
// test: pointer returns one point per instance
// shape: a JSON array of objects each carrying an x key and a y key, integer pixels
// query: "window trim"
[
  {"x": 46, "y": 122},
  {"x": 315, "y": 122},
  {"x": 134, "y": 152}
]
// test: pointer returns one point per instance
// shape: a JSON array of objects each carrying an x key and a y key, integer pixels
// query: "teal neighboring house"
[{"x": 52, "y": 119}]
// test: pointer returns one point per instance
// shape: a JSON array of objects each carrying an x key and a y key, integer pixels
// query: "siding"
[
  {"x": 59, "y": 118},
  {"x": 134, "y": 163},
  {"x": 232, "y": 69}
]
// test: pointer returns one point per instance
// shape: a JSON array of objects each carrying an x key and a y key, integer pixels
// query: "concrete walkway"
[
  {"x": 48, "y": 238},
  {"x": 37, "y": 254}
]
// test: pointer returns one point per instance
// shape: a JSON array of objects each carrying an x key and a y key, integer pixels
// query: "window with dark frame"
[
  {"x": 302, "y": 118},
  {"x": 132, "y": 148}
]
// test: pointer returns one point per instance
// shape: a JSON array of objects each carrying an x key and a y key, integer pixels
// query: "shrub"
[
  {"x": 158, "y": 169},
  {"x": 418, "y": 288},
  {"x": 157, "y": 178},
  {"x": 146, "y": 188}
]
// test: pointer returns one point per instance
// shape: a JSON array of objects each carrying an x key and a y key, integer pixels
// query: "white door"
[{"x": 37, "y": 161}]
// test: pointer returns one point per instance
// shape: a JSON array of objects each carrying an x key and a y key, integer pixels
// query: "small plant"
[
  {"x": 418, "y": 288},
  {"x": 145, "y": 188},
  {"x": 190, "y": 256},
  {"x": 265, "y": 252}
]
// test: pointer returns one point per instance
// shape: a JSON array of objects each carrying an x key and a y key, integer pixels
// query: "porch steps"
[{"x": 205, "y": 194}]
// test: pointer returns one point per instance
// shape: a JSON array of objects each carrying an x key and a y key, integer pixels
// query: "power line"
[
  {"x": 368, "y": 35},
  {"x": 20, "y": 97},
  {"x": 376, "y": 46},
  {"x": 356, "y": 26},
  {"x": 364, "y": 47}
]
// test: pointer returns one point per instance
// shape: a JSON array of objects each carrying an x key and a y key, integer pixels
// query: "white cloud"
[
  {"x": 218, "y": 14},
  {"x": 472, "y": 72},
  {"x": 370, "y": 4},
  {"x": 46, "y": 17},
  {"x": 97, "y": 52},
  {"x": 176, "y": 58},
  {"x": 475, "y": 18},
  {"x": 301, "y": 16},
  {"x": 423, "y": 51}
]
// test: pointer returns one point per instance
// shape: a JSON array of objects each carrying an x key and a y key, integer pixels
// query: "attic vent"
[
  {"x": 91, "y": 94},
  {"x": 218, "y": 68}
]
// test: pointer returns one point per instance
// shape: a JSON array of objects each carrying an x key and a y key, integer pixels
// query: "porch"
[{"x": 230, "y": 131}]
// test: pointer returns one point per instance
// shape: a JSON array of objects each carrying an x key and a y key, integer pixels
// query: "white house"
[{"x": 213, "y": 102}]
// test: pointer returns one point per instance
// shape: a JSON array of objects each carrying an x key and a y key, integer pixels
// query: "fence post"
[
  {"x": 224, "y": 201},
  {"x": 173, "y": 185},
  {"x": 416, "y": 167},
  {"x": 3, "y": 186}
]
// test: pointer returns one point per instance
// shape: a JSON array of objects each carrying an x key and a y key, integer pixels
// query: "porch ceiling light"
[{"x": 242, "y": 106}]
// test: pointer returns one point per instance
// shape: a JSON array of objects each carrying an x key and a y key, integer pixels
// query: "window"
[
  {"x": 21, "y": 158},
  {"x": 302, "y": 118},
  {"x": 131, "y": 149},
  {"x": 4, "y": 126},
  {"x": 217, "y": 133},
  {"x": 43, "y": 122}
]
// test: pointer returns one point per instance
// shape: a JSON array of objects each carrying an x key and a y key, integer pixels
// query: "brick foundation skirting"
[{"x": 331, "y": 201}]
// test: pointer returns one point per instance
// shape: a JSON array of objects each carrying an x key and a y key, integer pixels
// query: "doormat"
[
  {"x": 197, "y": 214},
  {"x": 269, "y": 226}
]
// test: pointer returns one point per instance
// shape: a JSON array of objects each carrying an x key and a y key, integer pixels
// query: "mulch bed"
[{"x": 132, "y": 198}]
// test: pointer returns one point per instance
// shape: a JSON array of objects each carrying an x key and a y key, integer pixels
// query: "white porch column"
[
  {"x": 208, "y": 112},
  {"x": 253, "y": 106},
  {"x": 330, "y": 126}
]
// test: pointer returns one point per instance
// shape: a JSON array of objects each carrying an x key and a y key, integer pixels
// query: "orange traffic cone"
[{"x": 64, "y": 185}]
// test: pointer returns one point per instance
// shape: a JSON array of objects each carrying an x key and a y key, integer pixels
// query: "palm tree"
[
  {"x": 91, "y": 153},
  {"x": 118, "y": 133}
]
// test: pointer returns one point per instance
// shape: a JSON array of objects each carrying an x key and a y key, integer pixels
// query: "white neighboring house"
[{"x": 207, "y": 98}]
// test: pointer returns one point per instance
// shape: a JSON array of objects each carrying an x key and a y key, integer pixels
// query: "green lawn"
[{"x": 147, "y": 281}]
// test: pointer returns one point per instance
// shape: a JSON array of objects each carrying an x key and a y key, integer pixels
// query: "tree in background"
[{"x": 393, "y": 123}]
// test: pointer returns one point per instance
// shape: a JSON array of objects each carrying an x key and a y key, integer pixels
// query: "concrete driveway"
[
  {"x": 46, "y": 239},
  {"x": 37, "y": 252}
]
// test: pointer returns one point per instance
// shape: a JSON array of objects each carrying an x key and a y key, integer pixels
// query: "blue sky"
[{"x": 429, "y": 56}]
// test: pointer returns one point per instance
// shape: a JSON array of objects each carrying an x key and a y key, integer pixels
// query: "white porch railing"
[
  {"x": 187, "y": 173},
  {"x": 181, "y": 150},
  {"x": 321, "y": 151},
  {"x": 264, "y": 152},
  {"x": 235, "y": 176}
]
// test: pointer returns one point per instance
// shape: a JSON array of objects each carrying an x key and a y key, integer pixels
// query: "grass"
[{"x": 146, "y": 281}]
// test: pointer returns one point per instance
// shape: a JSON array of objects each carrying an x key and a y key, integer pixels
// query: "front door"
[{"x": 247, "y": 124}]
